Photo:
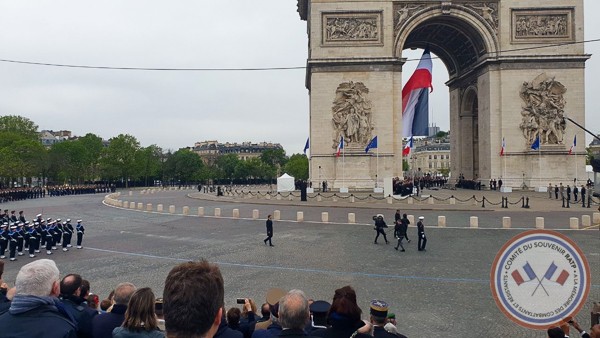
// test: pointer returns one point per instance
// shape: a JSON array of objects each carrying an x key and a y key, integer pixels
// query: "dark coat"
[
  {"x": 380, "y": 332},
  {"x": 44, "y": 321},
  {"x": 104, "y": 323},
  {"x": 269, "y": 227},
  {"x": 225, "y": 332},
  {"x": 272, "y": 331},
  {"x": 83, "y": 316},
  {"x": 342, "y": 328},
  {"x": 294, "y": 333}
]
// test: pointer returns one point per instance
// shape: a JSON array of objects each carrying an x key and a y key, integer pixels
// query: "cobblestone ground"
[{"x": 441, "y": 292}]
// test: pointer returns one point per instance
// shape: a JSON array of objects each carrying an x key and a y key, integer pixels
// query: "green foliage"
[
  {"x": 405, "y": 165},
  {"x": 226, "y": 166},
  {"x": 118, "y": 161},
  {"x": 297, "y": 166},
  {"x": 20, "y": 125},
  {"x": 21, "y": 154},
  {"x": 441, "y": 134},
  {"x": 184, "y": 166}
]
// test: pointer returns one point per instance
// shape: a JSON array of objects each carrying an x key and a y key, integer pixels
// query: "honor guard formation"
[
  {"x": 400, "y": 230},
  {"x": 18, "y": 235}
]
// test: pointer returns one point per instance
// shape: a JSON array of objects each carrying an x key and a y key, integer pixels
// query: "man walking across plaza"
[
  {"x": 379, "y": 226},
  {"x": 400, "y": 233},
  {"x": 269, "y": 231},
  {"x": 421, "y": 232}
]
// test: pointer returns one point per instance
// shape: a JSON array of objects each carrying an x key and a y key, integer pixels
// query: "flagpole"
[
  {"x": 343, "y": 164},
  {"x": 540, "y": 161},
  {"x": 377, "y": 162}
]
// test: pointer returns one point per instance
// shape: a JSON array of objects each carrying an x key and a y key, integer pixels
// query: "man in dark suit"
[
  {"x": 269, "y": 231},
  {"x": 70, "y": 296},
  {"x": 294, "y": 314},
  {"x": 104, "y": 324}
]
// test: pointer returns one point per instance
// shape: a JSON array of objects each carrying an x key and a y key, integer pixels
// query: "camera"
[{"x": 240, "y": 300}]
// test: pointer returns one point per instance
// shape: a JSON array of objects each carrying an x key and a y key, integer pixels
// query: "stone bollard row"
[
  {"x": 186, "y": 210},
  {"x": 255, "y": 214},
  {"x": 149, "y": 207},
  {"x": 586, "y": 221},
  {"x": 126, "y": 204},
  {"x": 506, "y": 222},
  {"x": 140, "y": 206},
  {"x": 217, "y": 212},
  {"x": 325, "y": 217},
  {"x": 442, "y": 221},
  {"x": 171, "y": 209},
  {"x": 474, "y": 222},
  {"x": 200, "y": 211},
  {"x": 574, "y": 223},
  {"x": 159, "y": 208},
  {"x": 235, "y": 213},
  {"x": 539, "y": 222},
  {"x": 351, "y": 218},
  {"x": 277, "y": 215},
  {"x": 300, "y": 216}
]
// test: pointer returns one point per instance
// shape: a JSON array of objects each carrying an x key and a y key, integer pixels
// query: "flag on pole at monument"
[
  {"x": 306, "y": 146},
  {"x": 371, "y": 145},
  {"x": 415, "y": 99},
  {"x": 407, "y": 147},
  {"x": 340, "y": 147},
  {"x": 573, "y": 145},
  {"x": 536, "y": 144},
  {"x": 503, "y": 147}
]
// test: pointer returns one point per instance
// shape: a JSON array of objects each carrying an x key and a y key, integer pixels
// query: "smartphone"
[{"x": 240, "y": 300}]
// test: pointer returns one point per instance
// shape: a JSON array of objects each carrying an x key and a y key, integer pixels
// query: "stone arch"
[
  {"x": 431, "y": 27},
  {"x": 467, "y": 152}
]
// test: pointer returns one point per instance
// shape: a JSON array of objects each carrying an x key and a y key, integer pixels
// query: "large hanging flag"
[
  {"x": 536, "y": 144},
  {"x": 371, "y": 145},
  {"x": 573, "y": 145},
  {"x": 340, "y": 147},
  {"x": 503, "y": 147},
  {"x": 415, "y": 99},
  {"x": 407, "y": 147},
  {"x": 306, "y": 146}
]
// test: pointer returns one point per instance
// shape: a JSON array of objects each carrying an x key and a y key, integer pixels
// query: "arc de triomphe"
[{"x": 516, "y": 71}]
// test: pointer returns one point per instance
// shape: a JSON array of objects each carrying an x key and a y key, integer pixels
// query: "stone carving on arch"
[
  {"x": 488, "y": 11},
  {"x": 352, "y": 116},
  {"x": 543, "y": 110}
]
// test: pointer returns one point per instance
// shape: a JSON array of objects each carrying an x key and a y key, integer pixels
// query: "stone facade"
[{"x": 495, "y": 51}]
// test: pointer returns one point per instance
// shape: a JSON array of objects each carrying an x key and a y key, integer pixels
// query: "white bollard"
[
  {"x": 411, "y": 219},
  {"x": 159, "y": 208},
  {"x": 352, "y": 199},
  {"x": 290, "y": 197},
  {"x": 430, "y": 200},
  {"x": 442, "y": 221},
  {"x": 277, "y": 215},
  {"x": 586, "y": 220},
  {"x": 200, "y": 211},
  {"x": 255, "y": 214},
  {"x": 268, "y": 197},
  {"x": 390, "y": 199},
  {"x": 217, "y": 212},
  {"x": 140, "y": 206},
  {"x": 131, "y": 205},
  {"x": 186, "y": 210},
  {"x": 126, "y": 204},
  {"x": 506, "y": 222},
  {"x": 325, "y": 217},
  {"x": 474, "y": 223},
  {"x": 452, "y": 200},
  {"x": 334, "y": 198},
  {"x": 410, "y": 200},
  {"x": 574, "y": 223},
  {"x": 236, "y": 213},
  {"x": 130, "y": 193},
  {"x": 171, "y": 209},
  {"x": 278, "y": 196},
  {"x": 539, "y": 222},
  {"x": 596, "y": 218},
  {"x": 300, "y": 216},
  {"x": 319, "y": 198},
  {"x": 351, "y": 218},
  {"x": 149, "y": 207}
]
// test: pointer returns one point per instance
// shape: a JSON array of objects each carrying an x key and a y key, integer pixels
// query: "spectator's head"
[
  {"x": 140, "y": 315},
  {"x": 293, "y": 310},
  {"x": 123, "y": 293},
  {"x": 404, "y": 216},
  {"x": 70, "y": 285},
  {"x": 265, "y": 310},
  {"x": 319, "y": 310},
  {"x": 193, "y": 300},
  {"x": 233, "y": 316},
  {"x": 378, "y": 311},
  {"x": 556, "y": 332},
  {"x": 344, "y": 304},
  {"x": 38, "y": 278},
  {"x": 245, "y": 310},
  {"x": 105, "y": 304},
  {"x": 93, "y": 301},
  {"x": 85, "y": 288}
]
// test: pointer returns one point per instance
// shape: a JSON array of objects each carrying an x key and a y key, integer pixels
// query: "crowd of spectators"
[{"x": 42, "y": 305}]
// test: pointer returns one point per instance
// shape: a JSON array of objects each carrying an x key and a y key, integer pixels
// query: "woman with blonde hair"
[{"x": 140, "y": 317}]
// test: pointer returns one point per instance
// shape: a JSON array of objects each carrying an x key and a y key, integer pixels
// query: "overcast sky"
[{"x": 174, "y": 109}]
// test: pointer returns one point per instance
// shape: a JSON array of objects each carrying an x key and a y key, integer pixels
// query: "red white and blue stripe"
[
  {"x": 340, "y": 147},
  {"x": 407, "y": 147},
  {"x": 415, "y": 99}
]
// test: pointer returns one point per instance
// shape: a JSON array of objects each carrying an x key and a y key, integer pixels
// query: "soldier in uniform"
[
  {"x": 58, "y": 232},
  {"x": 3, "y": 239},
  {"x": 80, "y": 232},
  {"x": 65, "y": 235},
  {"x": 400, "y": 232},
  {"x": 40, "y": 238},
  {"x": 12, "y": 242},
  {"x": 13, "y": 217},
  {"x": 47, "y": 235},
  {"x": 70, "y": 230},
  {"x": 33, "y": 239},
  {"x": 269, "y": 225},
  {"x": 421, "y": 233},
  {"x": 22, "y": 217},
  {"x": 20, "y": 238},
  {"x": 379, "y": 226},
  {"x": 379, "y": 312}
]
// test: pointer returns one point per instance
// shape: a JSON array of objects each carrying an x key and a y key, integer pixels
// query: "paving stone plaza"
[{"x": 443, "y": 291}]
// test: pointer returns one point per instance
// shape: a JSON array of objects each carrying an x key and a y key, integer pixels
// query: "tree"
[
  {"x": 20, "y": 125},
  {"x": 185, "y": 166},
  {"x": 441, "y": 134},
  {"x": 20, "y": 157},
  {"x": 275, "y": 159},
  {"x": 148, "y": 161},
  {"x": 118, "y": 161},
  {"x": 226, "y": 165},
  {"x": 297, "y": 166}
]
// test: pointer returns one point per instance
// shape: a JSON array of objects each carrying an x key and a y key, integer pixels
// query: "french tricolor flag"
[
  {"x": 528, "y": 272},
  {"x": 573, "y": 145},
  {"x": 503, "y": 147},
  {"x": 559, "y": 278},
  {"x": 340, "y": 147},
  {"x": 415, "y": 99},
  {"x": 407, "y": 147}
]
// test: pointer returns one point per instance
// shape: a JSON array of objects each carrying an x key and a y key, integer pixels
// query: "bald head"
[
  {"x": 293, "y": 310},
  {"x": 123, "y": 293}
]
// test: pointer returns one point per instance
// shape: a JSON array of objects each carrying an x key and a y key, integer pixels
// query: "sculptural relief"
[
  {"x": 488, "y": 11},
  {"x": 543, "y": 110},
  {"x": 402, "y": 13},
  {"x": 351, "y": 27},
  {"x": 351, "y": 114},
  {"x": 549, "y": 24}
]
